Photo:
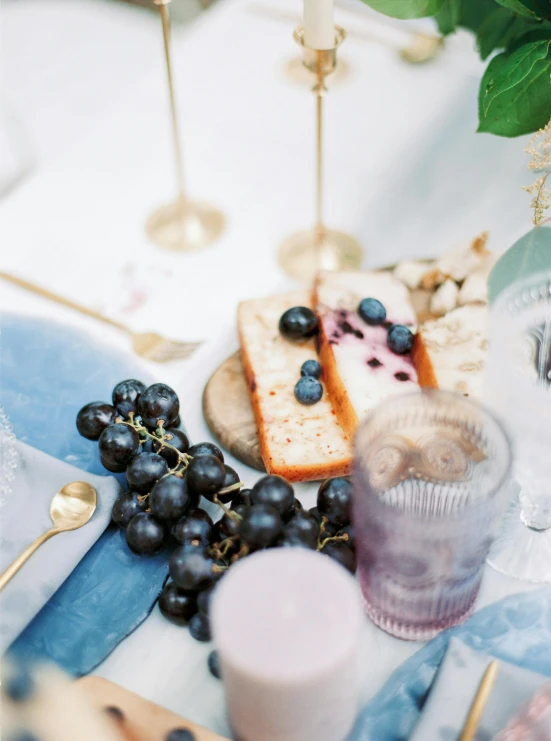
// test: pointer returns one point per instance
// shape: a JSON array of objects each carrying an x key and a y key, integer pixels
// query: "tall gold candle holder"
[
  {"x": 182, "y": 225},
  {"x": 301, "y": 255}
]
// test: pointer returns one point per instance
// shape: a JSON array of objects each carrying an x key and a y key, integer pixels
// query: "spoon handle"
[{"x": 12, "y": 570}]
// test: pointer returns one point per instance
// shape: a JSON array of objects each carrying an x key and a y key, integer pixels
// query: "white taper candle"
[{"x": 319, "y": 27}]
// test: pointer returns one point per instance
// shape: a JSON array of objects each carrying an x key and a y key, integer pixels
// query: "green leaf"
[
  {"x": 448, "y": 16},
  {"x": 406, "y": 8},
  {"x": 516, "y": 67},
  {"x": 496, "y": 30},
  {"x": 531, "y": 254},
  {"x": 521, "y": 109},
  {"x": 534, "y": 9}
]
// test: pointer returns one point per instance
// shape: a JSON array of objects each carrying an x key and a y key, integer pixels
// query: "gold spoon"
[{"x": 71, "y": 508}]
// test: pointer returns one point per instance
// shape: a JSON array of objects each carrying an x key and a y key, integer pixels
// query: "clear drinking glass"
[
  {"x": 428, "y": 490},
  {"x": 518, "y": 387}
]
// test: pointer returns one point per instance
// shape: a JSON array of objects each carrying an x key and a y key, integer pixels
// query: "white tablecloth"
[{"x": 405, "y": 173}]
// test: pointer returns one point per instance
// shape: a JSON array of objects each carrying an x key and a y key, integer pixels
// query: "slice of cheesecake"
[
  {"x": 301, "y": 443},
  {"x": 359, "y": 369},
  {"x": 450, "y": 352}
]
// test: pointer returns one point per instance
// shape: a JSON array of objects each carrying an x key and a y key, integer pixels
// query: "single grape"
[
  {"x": 314, "y": 511},
  {"x": 205, "y": 475},
  {"x": 158, "y": 403},
  {"x": 126, "y": 394},
  {"x": 144, "y": 471},
  {"x": 125, "y": 507},
  {"x": 199, "y": 628},
  {"x": 341, "y": 553},
  {"x": 230, "y": 478},
  {"x": 204, "y": 600},
  {"x": 335, "y": 500},
  {"x": 243, "y": 497},
  {"x": 192, "y": 569},
  {"x": 261, "y": 526},
  {"x": 180, "y": 734},
  {"x": 174, "y": 425},
  {"x": 113, "y": 467},
  {"x": 275, "y": 491},
  {"x": 176, "y": 605},
  {"x": 304, "y": 528},
  {"x": 117, "y": 444},
  {"x": 170, "y": 498},
  {"x": 176, "y": 439},
  {"x": 206, "y": 449},
  {"x": 228, "y": 526},
  {"x": 94, "y": 418},
  {"x": 297, "y": 507},
  {"x": 214, "y": 664},
  {"x": 195, "y": 526},
  {"x": 145, "y": 534}
]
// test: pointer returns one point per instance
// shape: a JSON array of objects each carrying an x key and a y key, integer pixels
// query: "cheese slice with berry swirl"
[{"x": 359, "y": 368}]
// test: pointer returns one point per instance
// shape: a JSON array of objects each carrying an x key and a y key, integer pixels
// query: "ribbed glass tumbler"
[{"x": 428, "y": 492}]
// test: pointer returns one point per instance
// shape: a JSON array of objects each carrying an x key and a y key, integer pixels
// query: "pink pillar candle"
[{"x": 286, "y": 625}]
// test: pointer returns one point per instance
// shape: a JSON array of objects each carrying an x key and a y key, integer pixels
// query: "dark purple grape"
[
  {"x": 297, "y": 507},
  {"x": 335, "y": 500},
  {"x": 243, "y": 497},
  {"x": 314, "y": 511},
  {"x": 228, "y": 526},
  {"x": 195, "y": 526},
  {"x": 302, "y": 528},
  {"x": 230, "y": 478},
  {"x": 94, "y": 418},
  {"x": 176, "y": 439},
  {"x": 145, "y": 534},
  {"x": 261, "y": 526},
  {"x": 170, "y": 498},
  {"x": 113, "y": 467},
  {"x": 206, "y": 449},
  {"x": 199, "y": 628},
  {"x": 174, "y": 425},
  {"x": 176, "y": 605},
  {"x": 117, "y": 444},
  {"x": 275, "y": 491},
  {"x": 125, "y": 507},
  {"x": 158, "y": 403},
  {"x": 205, "y": 475},
  {"x": 214, "y": 664},
  {"x": 341, "y": 553},
  {"x": 144, "y": 471},
  {"x": 204, "y": 599},
  {"x": 125, "y": 396},
  {"x": 180, "y": 734},
  {"x": 192, "y": 569}
]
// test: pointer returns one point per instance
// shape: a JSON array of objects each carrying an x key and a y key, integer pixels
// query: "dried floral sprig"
[{"x": 539, "y": 149}]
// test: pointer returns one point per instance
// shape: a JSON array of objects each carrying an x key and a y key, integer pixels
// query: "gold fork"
[{"x": 148, "y": 345}]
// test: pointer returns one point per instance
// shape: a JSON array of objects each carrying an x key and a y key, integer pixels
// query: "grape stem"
[{"x": 322, "y": 542}]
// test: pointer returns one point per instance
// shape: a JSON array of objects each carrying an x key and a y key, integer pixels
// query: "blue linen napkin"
[
  {"x": 49, "y": 371},
  {"x": 516, "y": 629},
  {"x": 25, "y": 516}
]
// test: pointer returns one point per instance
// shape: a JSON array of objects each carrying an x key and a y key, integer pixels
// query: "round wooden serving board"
[{"x": 229, "y": 414}]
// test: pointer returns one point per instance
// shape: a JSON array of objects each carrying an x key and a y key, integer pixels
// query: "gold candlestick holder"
[
  {"x": 183, "y": 225},
  {"x": 301, "y": 255}
]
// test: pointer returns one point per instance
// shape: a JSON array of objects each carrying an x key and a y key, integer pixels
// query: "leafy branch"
[{"x": 515, "y": 91}]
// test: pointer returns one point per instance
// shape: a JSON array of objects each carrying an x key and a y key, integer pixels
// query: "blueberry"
[
  {"x": 372, "y": 311},
  {"x": 199, "y": 627},
  {"x": 311, "y": 368},
  {"x": 400, "y": 339},
  {"x": 308, "y": 390},
  {"x": 17, "y": 682},
  {"x": 214, "y": 664},
  {"x": 180, "y": 734},
  {"x": 298, "y": 323}
]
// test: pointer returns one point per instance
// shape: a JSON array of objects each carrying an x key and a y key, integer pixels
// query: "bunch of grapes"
[{"x": 139, "y": 434}]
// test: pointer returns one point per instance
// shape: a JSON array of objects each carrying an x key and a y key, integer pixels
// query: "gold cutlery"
[
  {"x": 479, "y": 702},
  {"x": 71, "y": 508},
  {"x": 148, "y": 345}
]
